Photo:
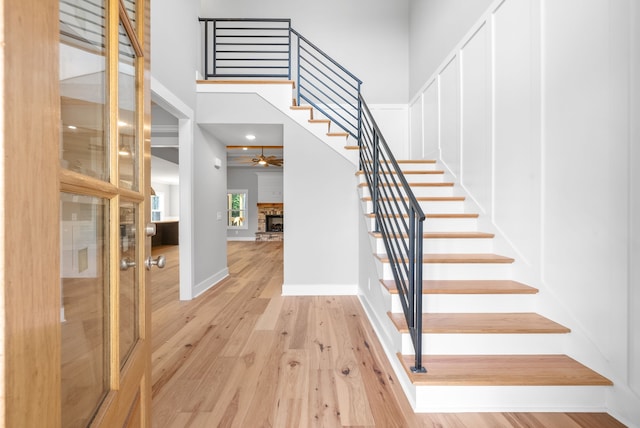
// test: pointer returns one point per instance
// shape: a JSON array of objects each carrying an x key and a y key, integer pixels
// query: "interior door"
[
  {"x": 74, "y": 188},
  {"x": 104, "y": 207}
]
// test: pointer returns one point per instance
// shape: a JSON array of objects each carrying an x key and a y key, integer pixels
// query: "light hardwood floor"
[{"x": 241, "y": 355}]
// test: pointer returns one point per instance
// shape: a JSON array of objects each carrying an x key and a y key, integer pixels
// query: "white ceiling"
[
  {"x": 164, "y": 133},
  {"x": 267, "y": 135}
]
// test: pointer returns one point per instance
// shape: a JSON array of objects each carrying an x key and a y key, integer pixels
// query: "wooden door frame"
[
  {"x": 29, "y": 213},
  {"x": 30, "y": 302}
]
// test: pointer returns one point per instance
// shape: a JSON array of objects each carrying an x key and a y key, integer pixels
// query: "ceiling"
[
  {"x": 267, "y": 136},
  {"x": 164, "y": 138}
]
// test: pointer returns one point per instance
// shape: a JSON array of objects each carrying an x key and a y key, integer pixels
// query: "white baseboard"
[
  {"x": 209, "y": 282},
  {"x": 319, "y": 289},
  {"x": 240, "y": 238}
]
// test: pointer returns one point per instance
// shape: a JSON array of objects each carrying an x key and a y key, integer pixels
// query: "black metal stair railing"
[
  {"x": 263, "y": 48},
  {"x": 400, "y": 220},
  {"x": 327, "y": 86}
]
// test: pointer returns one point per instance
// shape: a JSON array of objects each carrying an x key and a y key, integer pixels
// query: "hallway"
[{"x": 241, "y": 355}]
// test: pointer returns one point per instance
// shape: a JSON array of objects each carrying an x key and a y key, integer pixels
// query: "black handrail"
[{"x": 239, "y": 47}]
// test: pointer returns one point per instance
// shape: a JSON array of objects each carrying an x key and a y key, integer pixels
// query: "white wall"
[
  {"x": 209, "y": 208},
  {"x": 320, "y": 205},
  {"x": 436, "y": 26},
  {"x": 175, "y": 60},
  {"x": 634, "y": 159},
  {"x": 368, "y": 37},
  {"x": 531, "y": 112},
  {"x": 270, "y": 186},
  {"x": 175, "y": 46}
]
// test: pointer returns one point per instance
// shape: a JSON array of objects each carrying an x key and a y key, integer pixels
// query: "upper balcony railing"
[{"x": 270, "y": 48}]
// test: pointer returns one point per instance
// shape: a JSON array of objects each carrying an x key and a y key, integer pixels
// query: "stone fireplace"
[{"x": 270, "y": 222}]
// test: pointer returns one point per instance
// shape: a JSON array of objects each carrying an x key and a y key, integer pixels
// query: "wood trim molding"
[{"x": 29, "y": 213}]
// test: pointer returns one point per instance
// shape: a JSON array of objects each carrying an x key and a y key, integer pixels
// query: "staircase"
[{"x": 484, "y": 348}]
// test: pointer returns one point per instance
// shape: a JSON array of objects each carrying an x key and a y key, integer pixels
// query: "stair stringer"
[{"x": 279, "y": 95}]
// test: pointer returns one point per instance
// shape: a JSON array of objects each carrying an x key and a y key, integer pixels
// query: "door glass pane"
[
  {"x": 128, "y": 280},
  {"x": 130, "y": 7},
  {"x": 84, "y": 256},
  {"x": 84, "y": 147},
  {"x": 127, "y": 114}
]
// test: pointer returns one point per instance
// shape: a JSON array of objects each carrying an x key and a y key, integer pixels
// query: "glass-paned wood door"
[{"x": 104, "y": 182}]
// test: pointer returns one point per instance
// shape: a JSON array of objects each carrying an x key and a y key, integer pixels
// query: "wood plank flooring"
[{"x": 241, "y": 355}]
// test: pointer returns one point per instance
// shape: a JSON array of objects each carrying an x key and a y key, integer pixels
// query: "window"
[
  {"x": 237, "y": 209},
  {"x": 157, "y": 206}
]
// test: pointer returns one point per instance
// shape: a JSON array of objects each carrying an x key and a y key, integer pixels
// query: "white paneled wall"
[
  {"x": 531, "y": 114},
  {"x": 449, "y": 88},
  {"x": 430, "y": 121},
  {"x": 415, "y": 116},
  {"x": 477, "y": 162}
]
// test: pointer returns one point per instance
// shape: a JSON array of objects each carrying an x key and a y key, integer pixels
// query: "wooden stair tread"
[
  {"x": 360, "y": 172},
  {"x": 482, "y": 323},
  {"x": 445, "y": 235},
  {"x": 424, "y": 198},
  {"x": 247, "y": 82},
  {"x": 503, "y": 370},
  {"x": 352, "y": 147},
  {"x": 457, "y": 258},
  {"x": 467, "y": 287},
  {"x": 319, "y": 121},
  {"x": 452, "y": 215},
  {"x": 337, "y": 134},
  {"x": 410, "y": 161},
  {"x": 438, "y": 184}
]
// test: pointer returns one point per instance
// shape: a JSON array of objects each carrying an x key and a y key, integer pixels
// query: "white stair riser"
[
  {"x": 404, "y": 166},
  {"x": 444, "y": 224},
  {"x": 418, "y": 191},
  {"x": 509, "y": 398},
  {"x": 448, "y": 245},
  {"x": 486, "y": 344},
  {"x": 471, "y": 303},
  {"x": 458, "y": 271},
  {"x": 432, "y": 207},
  {"x": 417, "y": 178}
]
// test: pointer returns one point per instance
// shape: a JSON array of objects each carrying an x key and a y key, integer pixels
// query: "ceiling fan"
[{"x": 265, "y": 161}]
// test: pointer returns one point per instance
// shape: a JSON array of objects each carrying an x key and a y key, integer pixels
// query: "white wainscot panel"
[
  {"x": 476, "y": 118},
  {"x": 415, "y": 116},
  {"x": 517, "y": 149},
  {"x": 430, "y": 120},
  {"x": 450, "y": 116},
  {"x": 393, "y": 120}
]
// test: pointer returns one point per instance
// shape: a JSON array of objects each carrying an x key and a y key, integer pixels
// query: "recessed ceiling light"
[
  {"x": 121, "y": 123},
  {"x": 245, "y": 148},
  {"x": 250, "y": 137},
  {"x": 72, "y": 127}
]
